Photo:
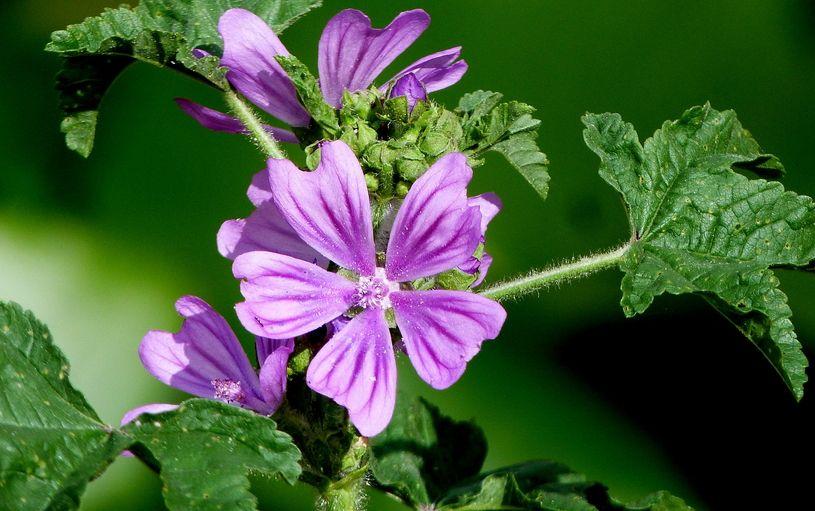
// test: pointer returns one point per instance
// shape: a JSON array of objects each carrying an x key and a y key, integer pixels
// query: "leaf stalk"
[{"x": 265, "y": 140}]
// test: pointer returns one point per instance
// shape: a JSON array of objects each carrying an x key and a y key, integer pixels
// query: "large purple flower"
[
  {"x": 435, "y": 229},
  {"x": 351, "y": 56},
  {"x": 206, "y": 360}
]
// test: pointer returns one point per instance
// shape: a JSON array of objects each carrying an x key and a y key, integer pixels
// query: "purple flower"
[
  {"x": 351, "y": 56},
  {"x": 206, "y": 360},
  {"x": 435, "y": 229},
  {"x": 411, "y": 88},
  {"x": 490, "y": 205}
]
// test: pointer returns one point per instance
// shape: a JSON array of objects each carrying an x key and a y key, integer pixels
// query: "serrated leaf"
[
  {"x": 205, "y": 450},
  {"x": 159, "y": 32},
  {"x": 51, "y": 440},
  {"x": 698, "y": 226},
  {"x": 423, "y": 453},
  {"x": 507, "y": 128},
  {"x": 548, "y": 486},
  {"x": 308, "y": 90}
]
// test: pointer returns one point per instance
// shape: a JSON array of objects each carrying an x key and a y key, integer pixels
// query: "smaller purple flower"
[
  {"x": 435, "y": 229},
  {"x": 352, "y": 54},
  {"x": 205, "y": 359}
]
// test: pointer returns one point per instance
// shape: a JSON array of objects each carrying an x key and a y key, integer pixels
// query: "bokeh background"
[{"x": 676, "y": 399}]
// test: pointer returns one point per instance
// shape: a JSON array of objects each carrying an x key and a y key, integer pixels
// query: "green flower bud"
[{"x": 372, "y": 182}]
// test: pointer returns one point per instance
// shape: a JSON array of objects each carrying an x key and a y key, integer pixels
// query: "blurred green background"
[{"x": 100, "y": 248}]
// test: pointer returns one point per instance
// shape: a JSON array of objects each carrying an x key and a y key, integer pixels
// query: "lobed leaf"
[
  {"x": 51, "y": 440},
  {"x": 698, "y": 226},
  {"x": 205, "y": 450},
  {"x": 160, "y": 32},
  {"x": 507, "y": 128}
]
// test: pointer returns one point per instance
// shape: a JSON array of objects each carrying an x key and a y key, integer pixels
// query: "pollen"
[
  {"x": 375, "y": 291},
  {"x": 228, "y": 391}
]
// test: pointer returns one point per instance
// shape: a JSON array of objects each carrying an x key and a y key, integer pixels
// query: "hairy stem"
[
  {"x": 254, "y": 126},
  {"x": 535, "y": 281},
  {"x": 347, "y": 494}
]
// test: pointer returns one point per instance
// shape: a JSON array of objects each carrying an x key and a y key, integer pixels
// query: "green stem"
[
  {"x": 263, "y": 138},
  {"x": 347, "y": 494},
  {"x": 536, "y": 281}
]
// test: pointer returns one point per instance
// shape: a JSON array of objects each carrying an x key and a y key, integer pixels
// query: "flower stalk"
[
  {"x": 265, "y": 140},
  {"x": 535, "y": 281}
]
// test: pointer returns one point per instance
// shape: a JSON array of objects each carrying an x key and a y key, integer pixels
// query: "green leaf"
[
  {"x": 205, "y": 450},
  {"x": 698, "y": 226},
  {"x": 51, "y": 440},
  {"x": 159, "y": 32},
  {"x": 507, "y": 128},
  {"x": 308, "y": 89},
  {"x": 545, "y": 485},
  {"x": 422, "y": 453}
]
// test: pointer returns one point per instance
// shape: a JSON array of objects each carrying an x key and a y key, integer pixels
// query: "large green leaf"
[
  {"x": 159, "y": 32},
  {"x": 51, "y": 441},
  {"x": 205, "y": 450},
  {"x": 506, "y": 128},
  {"x": 548, "y": 486},
  {"x": 423, "y": 453},
  {"x": 431, "y": 462},
  {"x": 698, "y": 226}
]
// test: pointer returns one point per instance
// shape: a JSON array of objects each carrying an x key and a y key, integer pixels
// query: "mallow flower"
[
  {"x": 351, "y": 56},
  {"x": 436, "y": 228},
  {"x": 205, "y": 359}
]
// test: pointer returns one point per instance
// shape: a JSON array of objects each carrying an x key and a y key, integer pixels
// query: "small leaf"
[
  {"x": 700, "y": 227},
  {"x": 160, "y": 32},
  {"x": 205, "y": 450},
  {"x": 51, "y": 440},
  {"x": 507, "y": 128},
  {"x": 422, "y": 453}
]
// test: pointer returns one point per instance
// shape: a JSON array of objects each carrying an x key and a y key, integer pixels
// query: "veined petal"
[
  {"x": 273, "y": 357},
  {"x": 435, "y": 228},
  {"x": 357, "y": 369},
  {"x": 483, "y": 267},
  {"x": 352, "y": 54},
  {"x": 203, "y": 355},
  {"x": 329, "y": 208},
  {"x": 250, "y": 47},
  {"x": 436, "y": 71},
  {"x": 443, "y": 330},
  {"x": 264, "y": 230},
  {"x": 287, "y": 297},
  {"x": 219, "y": 121}
]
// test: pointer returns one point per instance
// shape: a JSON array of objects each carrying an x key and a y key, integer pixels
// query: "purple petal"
[
  {"x": 202, "y": 357},
  {"x": 199, "y": 53},
  {"x": 357, "y": 369},
  {"x": 436, "y": 71},
  {"x": 483, "y": 267},
  {"x": 329, "y": 208},
  {"x": 489, "y": 205},
  {"x": 352, "y": 54},
  {"x": 443, "y": 330},
  {"x": 249, "y": 50},
  {"x": 265, "y": 230},
  {"x": 411, "y": 88},
  {"x": 287, "y": 297},
  {"x": 435, "y": 229},
  {"x": 273, "y": 357},
  {"x": 153, "y": 408},
  {"x": 219, "y": 121}
]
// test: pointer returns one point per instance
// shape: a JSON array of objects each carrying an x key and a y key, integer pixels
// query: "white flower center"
[
  {"x": 375, "y": 291},
  {"x": 228, "y": 391}
]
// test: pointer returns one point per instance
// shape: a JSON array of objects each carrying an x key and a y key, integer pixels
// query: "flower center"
[
  {"x": 228, "y": 391},
  {"x": 375, "y": 291}
]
